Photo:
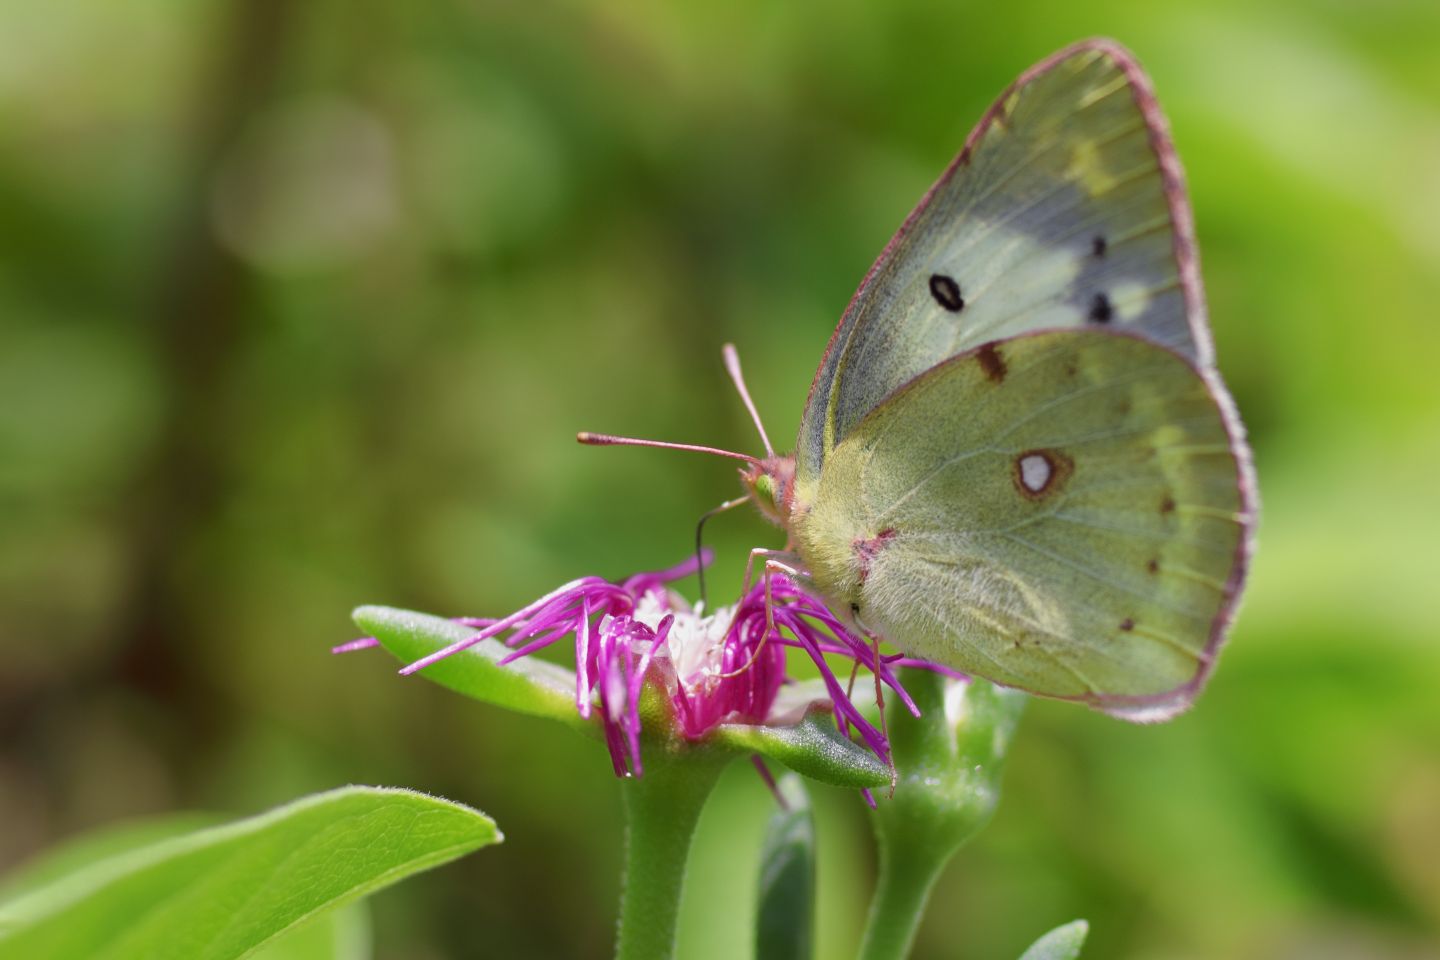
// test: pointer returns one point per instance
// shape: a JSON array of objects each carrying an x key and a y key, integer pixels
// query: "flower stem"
[
  {"x": 661, "y": 811},
  {"x": 901, "y": 891},
  {"x": 947, "y": 764}
]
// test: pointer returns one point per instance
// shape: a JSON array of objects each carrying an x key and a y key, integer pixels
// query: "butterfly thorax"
[
  {"x": 830, "y": 532},
  {"x": 771, "y": 485}
]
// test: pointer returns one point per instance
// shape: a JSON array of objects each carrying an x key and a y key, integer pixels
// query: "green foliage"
[
  {"x": 785, "y": 921},
  {"x": 948, "y": 762},
  {"x": 528, "y": 685},
  {"x": 77, "y": 853},
  {"x": 812, "y": 747},
  {"x": 1062, "y": 943},
  {"x": 223, "y": 892},
  {"x": 340, "y": 934}
]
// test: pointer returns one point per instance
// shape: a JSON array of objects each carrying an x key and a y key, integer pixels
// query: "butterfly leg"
[
  {"x": 876, "y": 665},
  {"x": 772, "y": 567},
  {"x": 774, "y": 563},
  {"x": 880, "y": 692},
  {"x": 788, "y": 564}
]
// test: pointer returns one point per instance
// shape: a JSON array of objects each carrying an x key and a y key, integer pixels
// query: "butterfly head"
[{"x": 771, "y": 485}]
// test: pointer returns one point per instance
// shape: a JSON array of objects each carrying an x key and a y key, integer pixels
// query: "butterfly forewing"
[
  {"x": 1078, "y": 530},
  {"x": 1065, "y": 208}
]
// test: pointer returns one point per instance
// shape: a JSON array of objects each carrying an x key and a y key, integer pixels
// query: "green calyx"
[{"x": 948, "y": 764}]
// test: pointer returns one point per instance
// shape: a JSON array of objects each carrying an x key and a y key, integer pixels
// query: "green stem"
[
  {"x": 901, "y": 892},
  {"x": 661, "y": 811},
  {"x": 947, "y": 765}
]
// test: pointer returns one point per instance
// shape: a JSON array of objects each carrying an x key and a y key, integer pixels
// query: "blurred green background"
[{"x": 302, "y": 304}]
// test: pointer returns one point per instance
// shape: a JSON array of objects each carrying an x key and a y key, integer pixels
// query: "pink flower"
[{"x": 726, "y": 667}]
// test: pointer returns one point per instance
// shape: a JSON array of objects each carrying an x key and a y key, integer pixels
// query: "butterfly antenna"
[
  {"x": 699, "y": 544},
  {"x": 732, "y": 366},
  {"x": 606, "y": 440}
]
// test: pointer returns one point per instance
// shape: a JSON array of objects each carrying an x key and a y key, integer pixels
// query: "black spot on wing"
[
  {"x": 946, "y": 292},
  {"x": 1100, "y": 309}
]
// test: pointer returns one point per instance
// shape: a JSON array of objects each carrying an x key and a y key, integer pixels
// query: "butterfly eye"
[
  {"x": 946, "y": 292},
  {"x": 765, "y": 487}
]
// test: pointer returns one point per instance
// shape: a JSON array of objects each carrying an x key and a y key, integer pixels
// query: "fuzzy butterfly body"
[{"x": 1017, "y": 458}]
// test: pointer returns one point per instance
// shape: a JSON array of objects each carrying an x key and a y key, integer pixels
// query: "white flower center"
[{"x": 696, "y": 643}]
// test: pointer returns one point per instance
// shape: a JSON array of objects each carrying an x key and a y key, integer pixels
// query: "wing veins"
[
  {"x": 1062, "y": 182},
  {"x": 1134, "y": 377},
  {"x": 1164, "y": 222},
  {"x": 1120, "y": 82},
  {"x": 1153, "y": 536},
  {"x": 983, "y": 603},
  {"x": 1201, "y": 421},
  {"x": 1122, "y": 587},
  {"x": 916, "y": 487},
  {"x": 1074, "y": 638},
  {"x": 951, "y": 630}
]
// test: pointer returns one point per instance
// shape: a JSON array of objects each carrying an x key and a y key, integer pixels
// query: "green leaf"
[
  {"x": 76, "y": 853},
  {"x": 342, "y": 934},
  {"x": 528, "y": 685},
  {"x": 812, "y": 747},
  {"x": 222, "y": 892},
  {"x": 1062, "y": 943},
  {"x": 785, "y": 921}
]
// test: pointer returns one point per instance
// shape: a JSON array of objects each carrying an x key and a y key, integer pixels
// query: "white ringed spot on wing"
[
  {"x": 1039, "y": 473},
  {"x": 1035, "y": 472}
]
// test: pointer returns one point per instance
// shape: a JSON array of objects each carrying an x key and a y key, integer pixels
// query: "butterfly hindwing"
[
  {"x": 1065, "y": 208},
  {"x": 1078, "y": 530}
]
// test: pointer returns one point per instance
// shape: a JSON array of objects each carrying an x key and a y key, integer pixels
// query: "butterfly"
[{"x": 1017, "y": 458}]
